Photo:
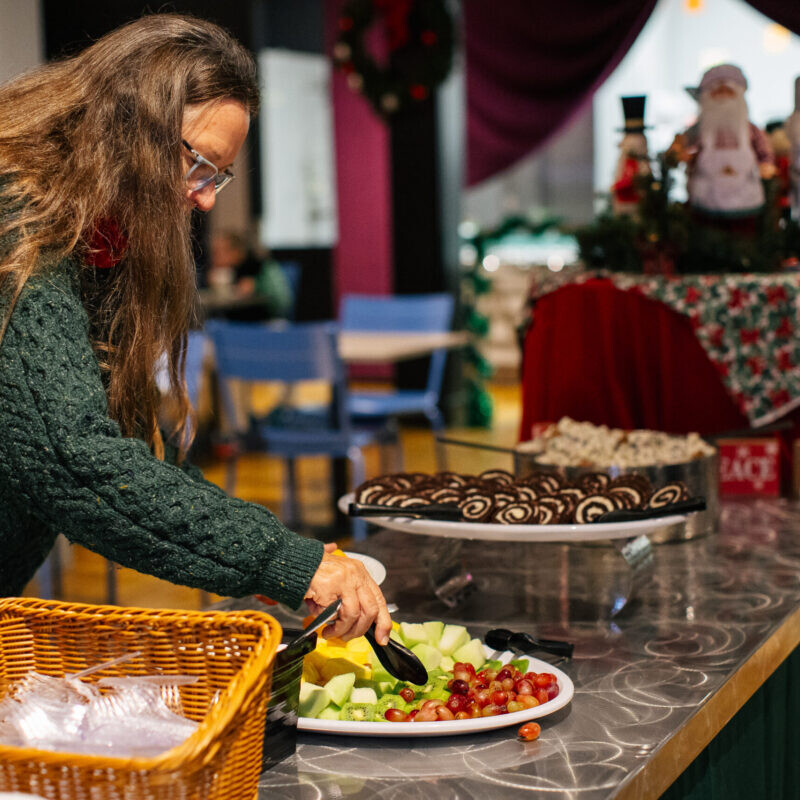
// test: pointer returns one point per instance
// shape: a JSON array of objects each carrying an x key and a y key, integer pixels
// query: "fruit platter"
[{"x": 470, "y": 687}]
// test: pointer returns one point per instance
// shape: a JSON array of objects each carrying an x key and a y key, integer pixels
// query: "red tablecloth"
[{"x": 600, "y": 354}]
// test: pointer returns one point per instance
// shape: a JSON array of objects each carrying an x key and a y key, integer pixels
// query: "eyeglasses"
[{"x": 203, "y": 172}]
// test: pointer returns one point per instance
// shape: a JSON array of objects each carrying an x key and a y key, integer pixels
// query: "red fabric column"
[
  {"x": 362, "y": 258},
  {"x": 596, "y": 353}
]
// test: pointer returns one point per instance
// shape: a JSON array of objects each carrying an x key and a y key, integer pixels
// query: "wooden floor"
[{"x": 259, "y": 480}]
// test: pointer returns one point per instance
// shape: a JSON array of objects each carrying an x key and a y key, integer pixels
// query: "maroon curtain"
[
  {"x": 784, "y": 12},
  {"x": 530, "y": 67}
]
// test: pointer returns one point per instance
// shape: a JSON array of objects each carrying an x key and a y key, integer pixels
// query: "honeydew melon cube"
[
  {"x": 313, "y": 699},
  {"x": 379, "y": 672},
  {"x": 330, "y": 712},
  {"x": 339, "y": 688},
  {"x": 397, "y": 636},
  {"x": 363, "y": 695},
  {"x": 446, "y": 663},
  {"x": 433, "y": 631},
  {"x": 453, "y": 637},
  {"x": 386, "y": 687},
  {"x": 472, "y": 652},
  {"x": 413, "y": 633},
  {"x": 428, "y": 655}
]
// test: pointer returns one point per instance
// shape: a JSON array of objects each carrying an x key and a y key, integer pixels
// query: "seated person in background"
[{"x": 237, "y": 271}]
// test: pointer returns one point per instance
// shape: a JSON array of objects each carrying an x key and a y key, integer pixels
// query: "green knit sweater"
[{"x": 66, "y": 468}]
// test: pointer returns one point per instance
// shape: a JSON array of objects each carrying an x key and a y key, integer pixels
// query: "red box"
[{"x": 749, "y": 467}]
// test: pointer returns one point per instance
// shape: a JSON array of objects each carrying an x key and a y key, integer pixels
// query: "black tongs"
[
  {"x": 396, "y": 659},
  {"x": 632, "y": 515},
  {"x": 443, "y": 513},
  {"x": 502, "y": 639}
]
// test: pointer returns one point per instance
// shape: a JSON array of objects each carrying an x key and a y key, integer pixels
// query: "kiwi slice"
[
  {"x": 385, "y": 703},
  {"x": 358, "y": 712}
]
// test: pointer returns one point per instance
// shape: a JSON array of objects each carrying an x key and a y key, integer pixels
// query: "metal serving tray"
[{"x": 701, "y": 476}]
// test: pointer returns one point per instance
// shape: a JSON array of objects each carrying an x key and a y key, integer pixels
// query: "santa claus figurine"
[
  {"x": 633, "y": 165},
  {"x": 727, "y": 156}
]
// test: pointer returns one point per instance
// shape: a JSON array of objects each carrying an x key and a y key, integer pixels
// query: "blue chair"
[
  {"x": 293, "y": 273},
  {"x": 195, "y": 350},
  {"x": 431, "y": 313},
  {"x": 292, "y": 353}
]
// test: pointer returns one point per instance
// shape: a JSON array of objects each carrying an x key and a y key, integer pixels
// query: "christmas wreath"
[{"x": 419, "y": 38}]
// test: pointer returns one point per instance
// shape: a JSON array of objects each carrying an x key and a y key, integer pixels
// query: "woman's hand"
[{"x": 362, "y": 600}]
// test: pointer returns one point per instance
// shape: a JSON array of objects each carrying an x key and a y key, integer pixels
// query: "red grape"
[
  {"x": 490, "y": 711},
  {"x": 457, "y": 702},
  {"x": 462, "y": 715},
  {"x": 459, "y": 687},
  {"x": 527, "y": 700},
  {"x": 407, "y": 694},
  {"x": 541, "y": 695},
  {"x": 508, "y": 684},
  {"x": 395, "y": 715},
  {"x": 503, "y": 674},
  {"x": 483, "y": 698},
  {"x": 542, "y": 680},
  {"x": 444, "y": 713},
  {"x": 499, "y": 698},
  {"x": 524, "y": 687},
  {"x": 552, "y": 691}
]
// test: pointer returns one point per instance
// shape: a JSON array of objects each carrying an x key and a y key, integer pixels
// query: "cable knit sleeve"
[{"x": 65, "y": 461}]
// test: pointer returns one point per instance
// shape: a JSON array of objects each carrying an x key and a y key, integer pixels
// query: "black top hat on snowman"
[{"x": 633, "y": 109}]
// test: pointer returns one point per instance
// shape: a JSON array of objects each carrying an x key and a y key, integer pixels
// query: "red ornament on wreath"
[{"x": 420, "y": 39}]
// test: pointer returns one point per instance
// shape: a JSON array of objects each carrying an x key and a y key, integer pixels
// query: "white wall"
[
  {"x": 556, "y": 180},
  {"x": 21, "y": 37},
  {"x": 676, "y": 46},
  {"x": 297, "y": 163}
]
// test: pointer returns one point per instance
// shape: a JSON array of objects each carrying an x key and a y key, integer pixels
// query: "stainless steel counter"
[{"x": 700, "y": 629}]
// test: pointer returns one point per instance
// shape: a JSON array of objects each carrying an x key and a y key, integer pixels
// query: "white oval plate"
[
  {"x": 456, "y": 726},
  {"x": 519, "y": 533},
  {"x": 375, "y": 568}
]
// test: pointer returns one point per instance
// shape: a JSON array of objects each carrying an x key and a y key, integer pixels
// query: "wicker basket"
[{"x": 231, "y": 653}]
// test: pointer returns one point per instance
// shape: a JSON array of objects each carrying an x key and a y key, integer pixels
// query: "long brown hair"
[{"x": 98, "y": 137}]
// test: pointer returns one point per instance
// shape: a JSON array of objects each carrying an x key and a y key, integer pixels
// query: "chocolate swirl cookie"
[
  {"x": 446, "y": 496},
  {"x": 638, "y": 482},
  {"x": 628, "y": 496},
  {"x": 497, "y": 475},
  {"x": 517, "y": 513},
  {"x": 592, "y": 506},
  {"x": 666, "y": 495},
  {"x": 477, "y": 507},
  {"x": 370, "y": 491},
  {"x": 595, "y": 482}
]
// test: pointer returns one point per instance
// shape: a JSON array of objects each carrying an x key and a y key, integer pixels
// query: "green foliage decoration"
[{"x": 667, "y": 236}]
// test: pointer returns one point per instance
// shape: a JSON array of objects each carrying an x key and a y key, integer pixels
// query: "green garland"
[
  {"x": 420, "y": 39},
  {"x": 474, "y": 283},
  {"x": 666, "y": 236}
]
